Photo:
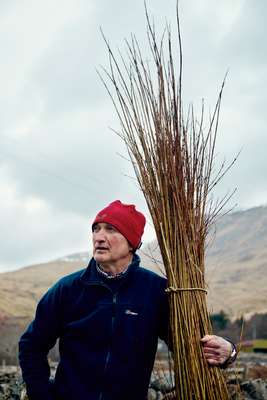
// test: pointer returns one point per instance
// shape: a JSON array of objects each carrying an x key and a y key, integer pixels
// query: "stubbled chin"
[{"x": 99, "y": 256}]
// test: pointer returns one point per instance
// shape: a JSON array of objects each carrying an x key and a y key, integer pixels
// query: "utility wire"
[
  {"x": 46, "y": 157},
  {"x": 46, "y": 172}
]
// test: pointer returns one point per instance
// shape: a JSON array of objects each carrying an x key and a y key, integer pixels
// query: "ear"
[{"x": 131, "y": 249}]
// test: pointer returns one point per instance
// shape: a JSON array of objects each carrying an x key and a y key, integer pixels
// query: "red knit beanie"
[{"x": 124, "y": 217}]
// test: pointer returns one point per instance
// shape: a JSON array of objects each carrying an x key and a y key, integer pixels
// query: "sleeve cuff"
[{"x": 231, "y": 359}]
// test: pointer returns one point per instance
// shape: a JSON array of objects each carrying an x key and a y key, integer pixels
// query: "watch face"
[{"x": 233, "y": 354}]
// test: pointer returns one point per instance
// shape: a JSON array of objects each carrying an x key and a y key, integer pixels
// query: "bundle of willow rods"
[{"x": 173, "y": 158}]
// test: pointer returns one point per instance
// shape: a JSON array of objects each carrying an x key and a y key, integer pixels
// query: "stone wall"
[{"x": 247, "y": 380}]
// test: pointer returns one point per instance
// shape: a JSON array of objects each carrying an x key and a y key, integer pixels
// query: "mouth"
[{"x": 101, "y": 248}]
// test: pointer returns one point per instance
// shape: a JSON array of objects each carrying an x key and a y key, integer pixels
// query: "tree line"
[{"x": 240, "y": 329}]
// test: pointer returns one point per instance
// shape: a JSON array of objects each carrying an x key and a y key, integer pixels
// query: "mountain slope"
[
  {"x": 237, "y": 263},
  {"x": 21, "y": 289},
  {"x": 236, "y": 269}
]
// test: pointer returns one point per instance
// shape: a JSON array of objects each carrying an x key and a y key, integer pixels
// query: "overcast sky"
[{"x": 59, "y": 161}]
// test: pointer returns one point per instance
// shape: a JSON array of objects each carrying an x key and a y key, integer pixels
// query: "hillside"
[
  {"x": 21, "y": 289},
  {"x": 237, "y": 263},
  {"x": 236, "y": 269}
]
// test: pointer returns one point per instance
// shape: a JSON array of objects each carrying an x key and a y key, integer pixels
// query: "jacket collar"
[{"x": 90, "y": 276}]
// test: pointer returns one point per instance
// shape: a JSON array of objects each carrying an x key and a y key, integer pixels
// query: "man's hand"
[{"x": 216, "y": 349}]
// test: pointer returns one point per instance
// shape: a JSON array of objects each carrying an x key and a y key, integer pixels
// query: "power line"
[
  {"x": 45, "y": 171},
  {"x": 46, "y": 157}
]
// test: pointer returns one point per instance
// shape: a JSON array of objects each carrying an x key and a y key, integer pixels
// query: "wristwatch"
[{"x": 233, "y": 354}]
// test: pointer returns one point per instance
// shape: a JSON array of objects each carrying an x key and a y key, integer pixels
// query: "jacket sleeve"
[
  {"x": 35, "y": 343},
  {"x": 164, "y": 326},
  {"x": 233, "y": 356}
]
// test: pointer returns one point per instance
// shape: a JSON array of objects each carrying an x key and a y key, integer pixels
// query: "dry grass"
[{"x": 20, "y": 290}]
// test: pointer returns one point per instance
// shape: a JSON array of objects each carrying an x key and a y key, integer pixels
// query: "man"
[{"x": 107, "y": 317}]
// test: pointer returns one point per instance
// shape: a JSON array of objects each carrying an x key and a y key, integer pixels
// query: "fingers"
[
  {"x": 213, "y": 340},
  {"x": 206, "y": 338},
  {"x": 214, "y": 359},
  {"x": 213, "y": 356},
  {"x": 216, "y": 349}
]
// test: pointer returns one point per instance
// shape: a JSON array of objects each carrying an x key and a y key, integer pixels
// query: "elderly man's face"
[{"x": 110, "y": 248}]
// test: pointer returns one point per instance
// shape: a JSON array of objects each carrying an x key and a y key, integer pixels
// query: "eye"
[
  {"x": 111, "y": 228},
  {"x": 95, "y": 228}
]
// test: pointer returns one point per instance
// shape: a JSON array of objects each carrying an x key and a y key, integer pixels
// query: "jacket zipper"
[{"x": 114, "y": 302}]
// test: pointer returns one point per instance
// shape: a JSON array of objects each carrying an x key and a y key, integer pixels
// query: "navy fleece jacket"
[{"x": 107, "y": 336}]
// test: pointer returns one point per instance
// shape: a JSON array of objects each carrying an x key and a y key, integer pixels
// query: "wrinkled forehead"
[{"x": 103, "y": 225}]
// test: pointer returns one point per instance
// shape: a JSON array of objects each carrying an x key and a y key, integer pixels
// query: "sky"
[{"x": 60, "y": 162}]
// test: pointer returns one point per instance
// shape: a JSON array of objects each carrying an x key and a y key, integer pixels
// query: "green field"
[{"x": 256, "y": 345}]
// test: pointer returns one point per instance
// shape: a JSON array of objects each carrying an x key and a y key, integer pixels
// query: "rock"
[
  {"x": 152, "y": 394},
  {"x": 10, "y": 384},
  {"x": 4, "y": 388},
  {"x": 23, "y": 395},
  {"x": 256, "y": 389},
  {"x": 164, "y": 382}
]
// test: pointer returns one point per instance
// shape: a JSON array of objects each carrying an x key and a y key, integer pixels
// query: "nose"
[{"x": 99, "y": 236}]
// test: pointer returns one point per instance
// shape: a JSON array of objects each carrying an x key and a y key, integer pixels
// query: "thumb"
[{"x": 206, "y": 338}]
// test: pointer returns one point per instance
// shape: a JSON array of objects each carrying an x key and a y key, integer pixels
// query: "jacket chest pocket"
[
  {"x": 94, "y": 326},
  {"x": 130, "y": 325}
]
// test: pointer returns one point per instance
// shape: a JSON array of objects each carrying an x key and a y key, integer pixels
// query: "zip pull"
[
  {"x": 129, "y": 312},
  {"x": 114, "y": 304}
]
